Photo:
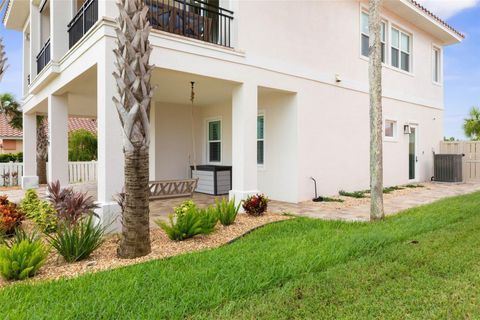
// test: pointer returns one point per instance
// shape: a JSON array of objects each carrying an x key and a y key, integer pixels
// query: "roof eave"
[
  {"x": 16, "y": 14},
  {"x": 424, "y": 19}
]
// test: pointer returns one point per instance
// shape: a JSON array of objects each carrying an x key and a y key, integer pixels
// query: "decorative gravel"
[{"x": 105, "y": 257}]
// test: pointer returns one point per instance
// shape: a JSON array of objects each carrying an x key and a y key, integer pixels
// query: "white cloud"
[{"x": 448, "y": 8}]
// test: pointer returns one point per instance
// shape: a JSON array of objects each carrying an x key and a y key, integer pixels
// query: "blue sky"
[{"x": 461, "y": 70}]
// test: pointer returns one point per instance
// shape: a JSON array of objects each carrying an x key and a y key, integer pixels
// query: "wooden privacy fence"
[
  {"x": 471, "y": 160},
  {"x": 78, "y": 171}
]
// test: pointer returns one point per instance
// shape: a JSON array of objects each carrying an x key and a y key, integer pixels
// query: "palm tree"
[
  {"x": 42, "y": 148},
  {"x": 375, "y": 83},
  {"x": 3, "y": 59},
  {"x": 471, "y": 125},
  {"x": 134, "y": 90},
  {"x": 11, "y": 108}
]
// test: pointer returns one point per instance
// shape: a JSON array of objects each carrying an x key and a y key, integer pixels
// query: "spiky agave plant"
[{"x": 135, "y": 92}]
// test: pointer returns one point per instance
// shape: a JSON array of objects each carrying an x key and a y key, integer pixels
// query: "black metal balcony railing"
[
  {"x": 43, "y": 57},
  {"x": 82, "y": 22},
  {"x": 193, "y": 18}
]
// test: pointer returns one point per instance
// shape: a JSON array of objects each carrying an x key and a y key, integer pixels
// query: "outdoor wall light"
[{"x": 338, "y": 79}]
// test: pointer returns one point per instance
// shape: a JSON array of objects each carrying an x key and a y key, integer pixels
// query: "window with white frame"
[
  {"x": 437, "y": 64},
  {"x": 390, "y": 129},
  {"x": 260, "y": 139},
  {"x": 365, "y": 35},
  {"x": 401, "y": 44},
  {"x": 214, "y": 145}
]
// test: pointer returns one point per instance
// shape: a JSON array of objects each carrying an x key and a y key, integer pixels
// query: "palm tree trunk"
[
  {"x": 3, "y": 59},
  {"x": 135, "y": 93},
  {"x": 135, "y": 240},
  {"x": 376, "y": 143},
  {"x": 42, "y": 170},
  {"x": 42, "y": 149}
]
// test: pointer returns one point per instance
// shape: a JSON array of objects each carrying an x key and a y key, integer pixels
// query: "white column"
[
  {"x": 60, "y": 16},
  {"x": 57, "y": 168},
  {"x": 110, "y": 179},
  {"x": 29, "y": 178},
  {"x": 107, "y": 8},
  {"x": 244, "y": 141},
  {"x": 26, "y": 60},
  {"x": 151, "y": 152},
  {"x": 34, "y": 39}
]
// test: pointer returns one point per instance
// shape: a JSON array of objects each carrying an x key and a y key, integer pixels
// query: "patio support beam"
[
  {"x": 29, "y": 178},
  {"x": 58, "y": 136},
  {"x": 110, "y": 174},
  {"x": 244, "y": 141}
]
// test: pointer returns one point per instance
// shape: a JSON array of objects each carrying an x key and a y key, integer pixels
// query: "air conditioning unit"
[{"x": 407, "y": 129}]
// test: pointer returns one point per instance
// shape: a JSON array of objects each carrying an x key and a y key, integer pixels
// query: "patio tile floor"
[{"x": 160, "y": 209}]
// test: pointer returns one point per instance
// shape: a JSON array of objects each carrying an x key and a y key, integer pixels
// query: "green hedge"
[
  {"x": 11, "y": 157},
  {"x": 82, "y": 146}
]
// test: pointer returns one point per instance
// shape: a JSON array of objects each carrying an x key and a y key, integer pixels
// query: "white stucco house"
[{"x": 281, "y": 90}]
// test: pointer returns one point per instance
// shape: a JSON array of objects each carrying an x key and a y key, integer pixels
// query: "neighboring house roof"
[
  {"x": 88, "y": 124},
  {"x": 74, "y": 124},
  {"x": 6, "y": 130},
  {"x": 437, "y": 18}
]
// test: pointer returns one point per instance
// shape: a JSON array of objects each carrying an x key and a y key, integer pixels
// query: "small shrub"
[
  {"x": 39, "y": 211},
  {"x": 255, "y": 205},
  {"x": 71, "y": 206},
  {"x": 391, "y": 189},
  {"x": 189, "y": 221},
  {"x": 10, "y": 216},
  {"x": 183, "y": 224},
  {"x": 22, "y": 260},
  {"x": 21, "y": 235},
  {"x": 355, "y": 194},
  {"x": 413, "y": 186},
  {"x": 76, "y": 241},
  {"x": 209, "y": 218},
  {"x": 184, "y": 207},
  {"x": 227, "y": 211},
  {"x": 327, "y": 199}
]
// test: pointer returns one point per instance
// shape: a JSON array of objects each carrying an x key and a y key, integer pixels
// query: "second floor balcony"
[
  {"x": 196, "y": 19},
  {"x": 43, "y": 58},
  {"x": 85, "y": 18},
  {"x": 201, "y": 20}
]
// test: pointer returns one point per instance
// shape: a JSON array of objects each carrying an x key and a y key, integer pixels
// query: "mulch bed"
[{"x": 105, "y": 257}]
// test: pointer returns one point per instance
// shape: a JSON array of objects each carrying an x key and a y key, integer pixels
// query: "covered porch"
[{"x": 245, "y": 126}]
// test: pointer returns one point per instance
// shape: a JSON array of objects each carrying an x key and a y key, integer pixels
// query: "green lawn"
[{"x": 301, "y": 268}]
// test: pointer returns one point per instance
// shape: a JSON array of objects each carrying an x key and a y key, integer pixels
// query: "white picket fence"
[
  {"x": 10, "y": 173},
  {"x": 78, "y": 172},
  {"x": 82, "y": 171}
]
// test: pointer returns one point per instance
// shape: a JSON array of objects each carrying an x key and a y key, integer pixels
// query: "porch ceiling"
[{"x": 174, "y": 87}]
